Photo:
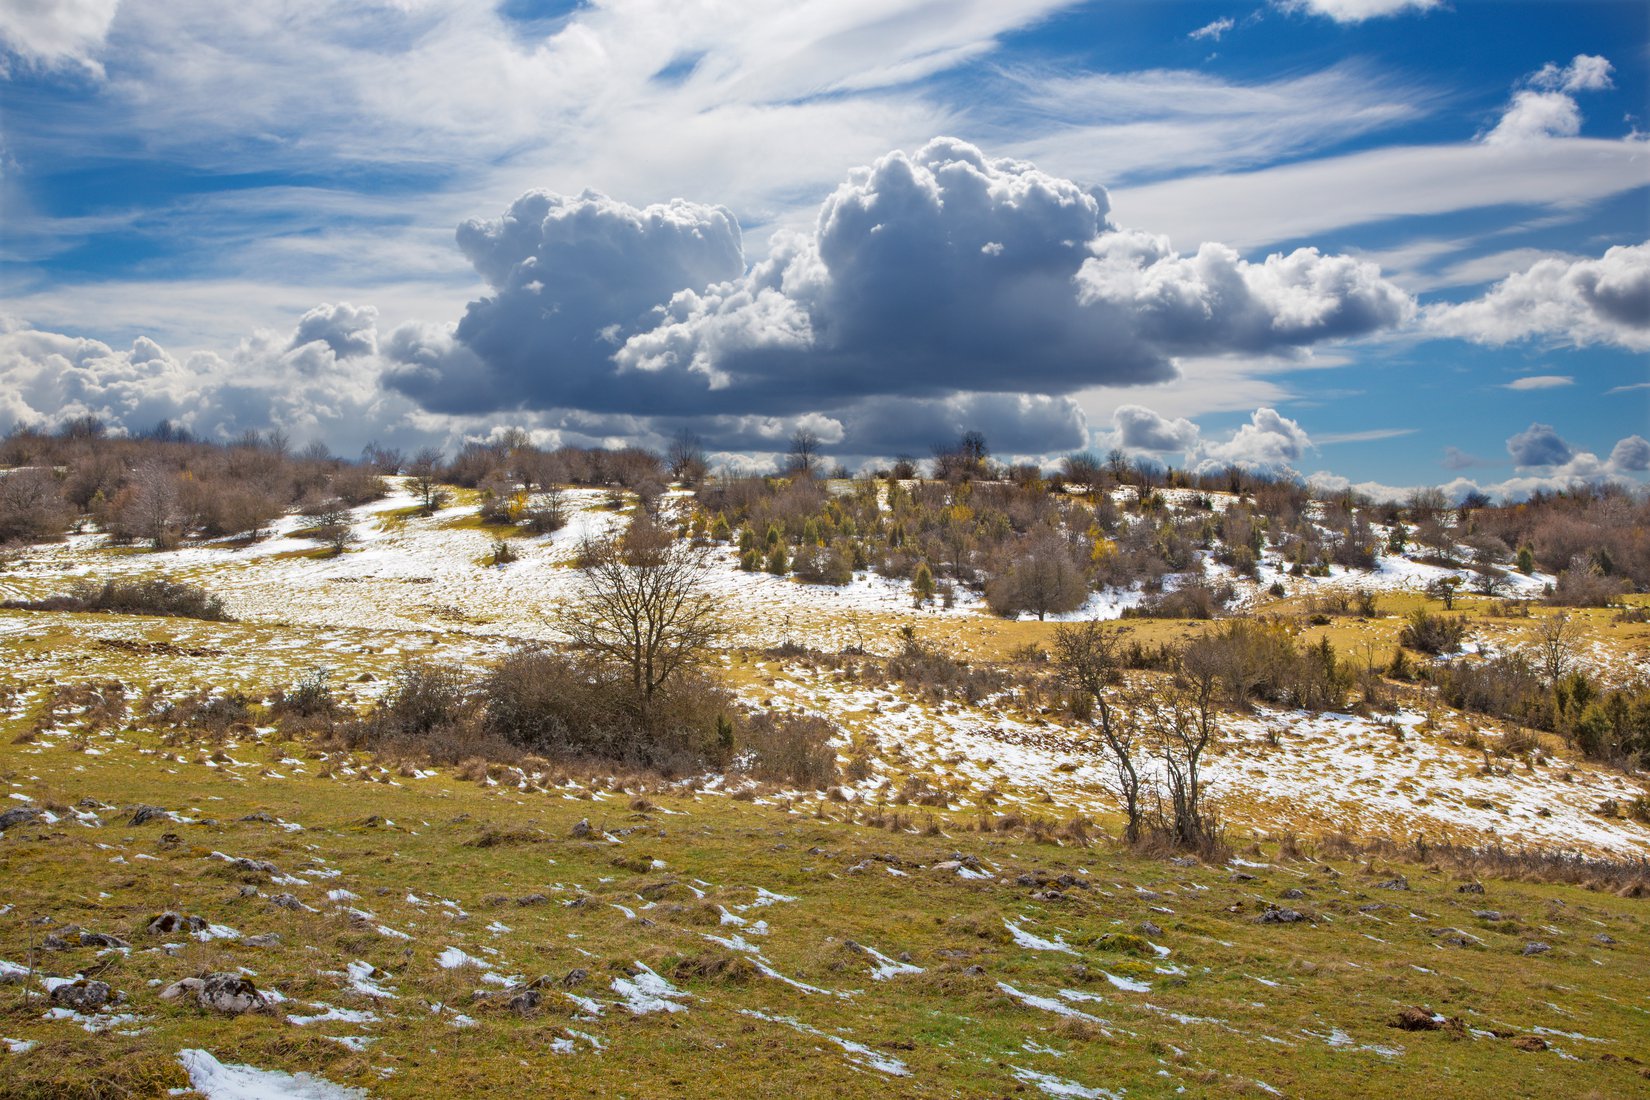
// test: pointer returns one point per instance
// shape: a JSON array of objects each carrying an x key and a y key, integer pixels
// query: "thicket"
[
  {"x": 1610, "y": 724},
  {"x": 137, "y": 597},
  {"x": 164, "y": 487}
]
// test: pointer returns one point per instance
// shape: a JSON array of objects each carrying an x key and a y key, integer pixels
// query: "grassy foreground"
[{"x": 1134, "y": 977}]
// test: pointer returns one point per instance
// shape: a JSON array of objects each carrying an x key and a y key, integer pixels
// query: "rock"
[
  {"x": 1604, "y": 939},
  {"x": 1530, "y": 1043},
  {"x": 1278, "y": 915},
  {"x": 1148, "y": 928},
  {"x": 1398, "y": 883},
  {"x": 575, "y": 976},
  {"x": 1293, "y": 894},
  {"x": 262, "y": 815},
  {"x": 23, "y": 815},
  {"x": 230, "y": 994},
  {"x": 1184, "y": 861},
  {"x": 254, "y": 866},
  {"x": 1535, "y": 947},
  {"x": 142, "y": 815},
  {"x": 1240, "y": 876},
  {"x": 249, "y": 891},
  {"x": 582, "y": 829},
  {"x": 54, "y": 942},
  {"x": 169, "y": 923},
  {"x": 267, "y": 939},
  {"x": 524, "y": 1002},
  {"x": 974, "y": 971},
  {"x": 1453, "y": 936},
  {"x": 1493, "y": 915},
  {"x": 1027, "y": 880},
  {"x": 101, "y": 939},
  {"x": 1421, "y": 1019},
  {"x": 287, "y": 901},
  {"x": 950, "y": 866},
  {"x": 83, "y": 995},
  {"x": 1470, "y": 888},
  {"x": 533, "y": 899}
]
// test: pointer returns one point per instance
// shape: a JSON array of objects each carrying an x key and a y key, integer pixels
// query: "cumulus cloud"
[
  {"x": 269, "y": 380},
  {"x": 1269, "y": 441},
  {"x": 1631, "y": 455},
  {"x": 1602, "y": 301},
  {"x": 571, "y": 279},
  {"x": 1141, "y": 429},
  {"x": 1546, "y": 106},
  {"x": 1539, "y": 445},
  {"x": 1356, "y": 11},
  {"x": 930, "y": 281},
  {"x": 343, "y": 328},
  {"x": 52, "y": 33}
]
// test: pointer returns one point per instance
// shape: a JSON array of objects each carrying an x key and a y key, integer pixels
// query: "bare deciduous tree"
[
  {"x": 644, "y": 606},
  {"x": 1087, "y": 659},
  {"x": 425, "y": 473},
  {"x": 1555, "y": 638}
]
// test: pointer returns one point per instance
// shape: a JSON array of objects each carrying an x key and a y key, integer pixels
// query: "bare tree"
[
  {"x": 803, "y": 456},
  {"x": 644, "y": 606},
  {"x": 425, "y": 472},
  {"x": 686, "y": 460},
  {"x": 1086, "y": 656},
  {"x": 1555, "y": 638}
]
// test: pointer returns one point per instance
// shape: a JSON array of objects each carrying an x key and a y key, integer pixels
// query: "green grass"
[{"x": 956, "y": 1030}]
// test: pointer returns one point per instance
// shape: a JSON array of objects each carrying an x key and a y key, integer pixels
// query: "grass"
[{"x": 1211, "y": 1021}]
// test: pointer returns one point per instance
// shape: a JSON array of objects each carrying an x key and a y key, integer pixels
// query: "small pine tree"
[
  {"x": 750, "y": 561},
  {"x": 777, "y": 562},
  {"x": 720, "y": 530},
  {"x": 774, "y": 537},
  {"x": 922, "y": 584},
  {"x": 1526, "y": 560},
  {"x": 747, "y": 540}
]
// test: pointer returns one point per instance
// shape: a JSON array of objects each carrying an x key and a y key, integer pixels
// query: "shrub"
[
  {"x": 1428, "y": 633},
  {"x": 789, "y": 748},
  {"x": 1585, "y": 588},
  {"x": 143, "y": 597},
  {"x": 1190, "y": 601}
]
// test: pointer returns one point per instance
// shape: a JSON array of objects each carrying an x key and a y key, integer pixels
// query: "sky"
[{"x": 1376, "y": 244}]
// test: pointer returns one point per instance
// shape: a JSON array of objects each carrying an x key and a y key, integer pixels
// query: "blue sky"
[{"x": 1384, "y": 243}]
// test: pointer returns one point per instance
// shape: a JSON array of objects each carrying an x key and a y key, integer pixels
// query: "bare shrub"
[
  {"x": 1428, "y": 633},
  {"x": 797, "y": 749},
  {"x": 142, "y": 597}
]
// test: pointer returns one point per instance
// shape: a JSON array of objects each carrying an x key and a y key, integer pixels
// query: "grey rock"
[
  {"x": 101, "y": 939},
  {"x": 142, "y": 815},
  {"x": 582, "y": 829},
  {"x": 1279, "y": 915},
  {"x": 267, "y": 939},
  {"x": 169, "y": 923},
  {"x": 1535, "y": 947},
  {"x": 230, "y": 994},
  {"x": 23, "y": 815},
  {"x": 83, "y": 995},
  {"x": 1470, "y": 888}
]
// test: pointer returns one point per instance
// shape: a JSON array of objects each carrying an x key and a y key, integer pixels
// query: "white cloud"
[
  {"x": 1631, "y": 454},
  {"x": 1602, "y": 301},
  {"x": 56, "y": 32},
  {"x": 1287, "y": 203},
  {"x": 1269, "y": 441},
  {"x": 1138, "y": 428},
  {"x": 1547, "y": 108},
  {"x": 1213, "y": 31},
  {"x": 1356, "y": 11},
  {"x": 1584, "y": 73},
  {"x": 1539, "y": 445},
  {"x": 1539, "y": 382}
]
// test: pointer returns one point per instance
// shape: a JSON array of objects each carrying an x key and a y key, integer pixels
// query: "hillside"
[{"x": 951, "y": 917}]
